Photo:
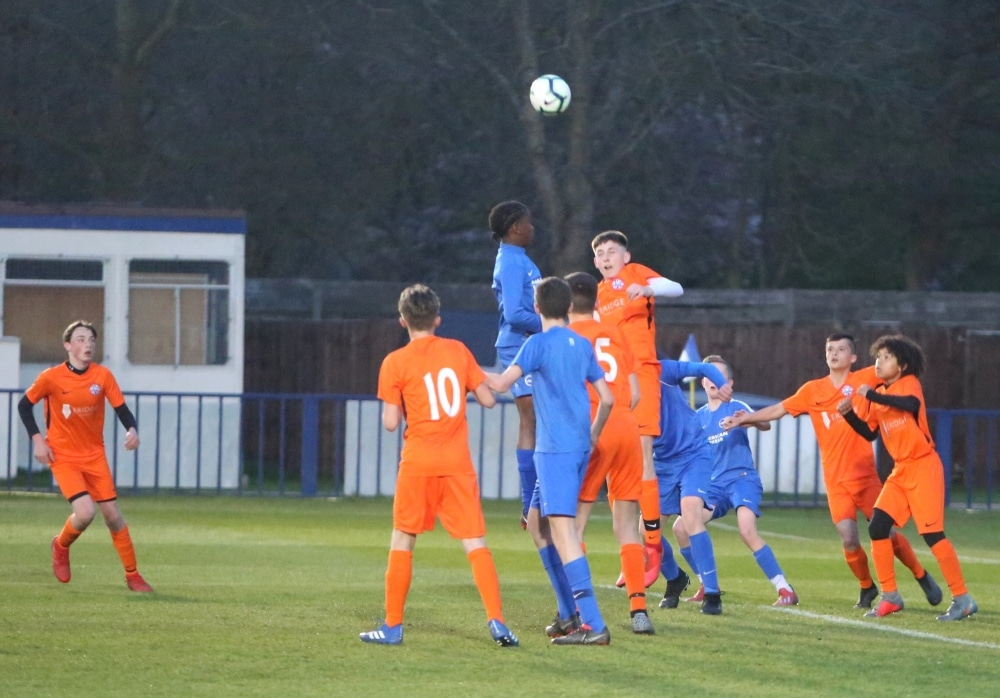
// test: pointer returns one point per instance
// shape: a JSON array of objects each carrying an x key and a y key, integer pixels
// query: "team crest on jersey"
[
  {"x": 617, "y": 284},
  {"x": 846, "y": 390},
  {"x": 95, "y": 389}
]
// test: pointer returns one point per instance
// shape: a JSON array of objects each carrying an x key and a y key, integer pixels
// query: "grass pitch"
[{"x": 266, "y": 597}]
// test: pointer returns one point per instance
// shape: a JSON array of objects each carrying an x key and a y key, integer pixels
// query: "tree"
[
  {"x": 111, "y": 144},
  {"x": 740, "y": 143}
]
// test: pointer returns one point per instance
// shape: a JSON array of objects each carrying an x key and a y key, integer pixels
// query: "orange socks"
[
  {"x": 884, "y": 564},
  {"x": 858, "y": 562},
  {"x": 633, "y": 567},
  {"x": 397, "y": 584},
  {"x": 649, "y": 506},
  {"x": 947, "y": 559},
  {"x": 68, "y": 534},
  {"x": 123, "y": 544},
  {"x": 399, "y": 573},
  {"x": 484, "y": 574},
  {"x": 902, "y": 549}
]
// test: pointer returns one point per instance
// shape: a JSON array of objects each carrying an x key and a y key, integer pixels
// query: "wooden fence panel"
[{"x": 773, "y": 359}]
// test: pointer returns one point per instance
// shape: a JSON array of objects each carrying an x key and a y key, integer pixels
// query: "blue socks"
[
  {"x": 558, "y": 578},
  {"x": 668, "y": 566},
  {"x": 768, "y": 562},
  {"x": 704, "y": 556},
  {"x": 578, "y": 574},
  {"x": 528, "y": 476},
  {"x": 689, "y": 558}
]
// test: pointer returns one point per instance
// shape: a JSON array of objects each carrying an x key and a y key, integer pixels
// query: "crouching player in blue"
[
  {"x": 735, "y": 482},
  {"x": 682, "y": 460}
]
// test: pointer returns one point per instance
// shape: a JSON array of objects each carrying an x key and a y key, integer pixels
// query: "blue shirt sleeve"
[
  {"x": 673, "y": 371},
  {"x": 527, "y": 356},
  {"x": 594, "y": 370},
  {"x": 518, "y": 312}
]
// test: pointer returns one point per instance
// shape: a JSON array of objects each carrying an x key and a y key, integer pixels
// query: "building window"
[
  {"x": 41, "y": 297},
  {"x": 178, "y": 312}
]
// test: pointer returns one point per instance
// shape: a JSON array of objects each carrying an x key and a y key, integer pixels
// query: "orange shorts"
[
  {"x": 92, "y": 477},
  {"x": 846, "y": 499},
  {"x": 454, "y": 499},
  {"x": 915, "y": 488},
  {"x": 616, "y": 459},
  {"x": 647, "y": 412}
]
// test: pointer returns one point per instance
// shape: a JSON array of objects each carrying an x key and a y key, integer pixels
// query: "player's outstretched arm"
[
  {"x": 764, "y": 414},
  {"x": 753, "y": 421},
  {"x": 501, "y": 382},
  {"x": 484, "y": 396}
]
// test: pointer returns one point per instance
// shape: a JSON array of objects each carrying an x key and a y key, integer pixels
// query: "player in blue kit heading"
[{"x": 514, "y": 280}]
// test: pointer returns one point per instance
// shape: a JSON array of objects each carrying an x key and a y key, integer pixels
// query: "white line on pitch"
[
  {"x": 918, "y": 551},
  {"x": 875, "y": 625},
  {"x": 769, "y": 534}
]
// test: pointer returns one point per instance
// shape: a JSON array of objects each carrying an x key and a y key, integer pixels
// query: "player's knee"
[
  {"x": 680, "y": 532},
  {"x": 880, "y": 526},
  {"x": 82, "y": 520},
  {"x": 83, "y": 512},
  {"x": 933, "y": 539}
]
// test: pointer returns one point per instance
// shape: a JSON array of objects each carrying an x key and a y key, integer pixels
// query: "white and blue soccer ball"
[{"x": 549, "y": 95}]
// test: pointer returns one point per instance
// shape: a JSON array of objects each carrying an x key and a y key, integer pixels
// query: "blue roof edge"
[{"x": 233, "y": 223}]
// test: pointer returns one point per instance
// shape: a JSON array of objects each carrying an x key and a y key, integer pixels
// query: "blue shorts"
[
  {"x": 740, "y": 489},
  {"x": 560, "y": 476},
  {"x": 683, "y": 478},
  {"x": 522, "y": 386}
]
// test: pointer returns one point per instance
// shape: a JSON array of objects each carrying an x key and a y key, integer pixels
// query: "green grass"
[{"x": 266, "y": 597}]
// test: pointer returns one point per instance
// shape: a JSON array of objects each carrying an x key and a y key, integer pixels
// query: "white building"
[{"x": 165, "y": 291}]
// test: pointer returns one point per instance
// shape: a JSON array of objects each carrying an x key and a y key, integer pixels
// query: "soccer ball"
[{"x": 549, "y": 95}]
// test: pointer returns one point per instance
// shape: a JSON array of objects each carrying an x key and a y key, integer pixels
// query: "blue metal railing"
[{"x": 290, "y": 444}]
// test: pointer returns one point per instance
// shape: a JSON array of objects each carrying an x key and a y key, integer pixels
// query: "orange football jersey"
[
  {"x": 845, "y": 454},
  {"x": 614, "y": 356},
  {"x": 429, "y": 379},
  {"x": 906, "y": 437},
  {"x": 634, "y": 318},
  {"x": 74, "y": 409}
]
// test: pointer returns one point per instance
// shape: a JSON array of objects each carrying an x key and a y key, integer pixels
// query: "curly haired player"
[{"x": 896, "y": 409}]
